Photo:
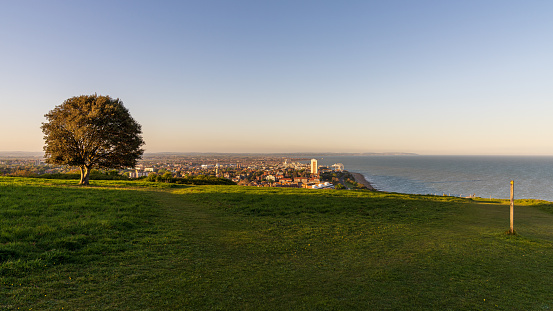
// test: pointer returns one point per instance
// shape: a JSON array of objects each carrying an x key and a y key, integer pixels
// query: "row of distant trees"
[
  {"x": 193, "y": 180},
  {"x": 166, "y": 177},
  {"x": 94, "y": 174}
]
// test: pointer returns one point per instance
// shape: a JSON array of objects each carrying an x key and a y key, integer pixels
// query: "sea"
[{"x": 482, "y": 176}]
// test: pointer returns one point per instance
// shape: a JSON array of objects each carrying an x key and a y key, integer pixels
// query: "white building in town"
[{"x": 314, "y": 167}]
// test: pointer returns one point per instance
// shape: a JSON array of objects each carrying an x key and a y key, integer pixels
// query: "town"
[{"x": 242, "y": 169}]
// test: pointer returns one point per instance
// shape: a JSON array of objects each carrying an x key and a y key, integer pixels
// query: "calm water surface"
[{"x": 485, "y": 176}]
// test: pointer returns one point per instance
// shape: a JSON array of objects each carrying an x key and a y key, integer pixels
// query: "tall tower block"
[{"x": 314, "y": 168}]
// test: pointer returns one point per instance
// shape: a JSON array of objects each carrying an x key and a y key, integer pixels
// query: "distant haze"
[{"x": 426, "y": 77}]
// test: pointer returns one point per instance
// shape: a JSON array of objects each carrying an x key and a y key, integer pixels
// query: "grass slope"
[{"x": 131, "y": 246}]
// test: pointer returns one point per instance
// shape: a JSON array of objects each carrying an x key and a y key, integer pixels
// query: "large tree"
[{"x": 91, "y": 131}]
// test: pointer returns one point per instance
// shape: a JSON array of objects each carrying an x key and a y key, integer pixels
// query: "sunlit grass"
[{"x": 121, "y": 245}]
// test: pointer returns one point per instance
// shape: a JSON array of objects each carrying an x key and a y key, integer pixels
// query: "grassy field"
[{"x": 145, "y": 246}]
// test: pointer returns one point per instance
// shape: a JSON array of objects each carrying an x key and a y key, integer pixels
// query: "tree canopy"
[{"x": 90, "y": 131}]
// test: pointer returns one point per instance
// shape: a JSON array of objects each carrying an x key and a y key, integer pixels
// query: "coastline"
[{"x": 361, "y": 179}]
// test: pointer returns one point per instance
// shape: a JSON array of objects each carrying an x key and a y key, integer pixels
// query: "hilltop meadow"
[{"x": 128, "y": 245}]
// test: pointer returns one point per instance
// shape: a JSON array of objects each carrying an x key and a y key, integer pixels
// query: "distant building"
[
  {"x": 314, "y": 167},
  {"x": 338, "y": 167},
  {"x": 138, "y": 173},
  {"x": 325, "y": 185}
]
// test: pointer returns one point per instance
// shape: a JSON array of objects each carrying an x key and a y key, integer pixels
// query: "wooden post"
[{"x": 512, "y": 230}]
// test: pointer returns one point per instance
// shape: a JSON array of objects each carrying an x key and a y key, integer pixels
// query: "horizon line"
[{"x": 304, "y": 153}]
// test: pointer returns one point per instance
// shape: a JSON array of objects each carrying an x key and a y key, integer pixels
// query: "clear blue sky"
[{"x": 431, "y": 77}]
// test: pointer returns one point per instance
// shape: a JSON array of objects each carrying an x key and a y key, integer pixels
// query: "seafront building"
[
  {"x": 314, "y": 167},
  {"x": 339, "y": 167}
]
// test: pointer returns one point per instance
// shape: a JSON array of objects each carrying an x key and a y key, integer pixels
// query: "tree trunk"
[{"x": 85, "y": 175}]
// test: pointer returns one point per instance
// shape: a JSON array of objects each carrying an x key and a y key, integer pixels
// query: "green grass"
[{"x": 145, "y": 246}]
